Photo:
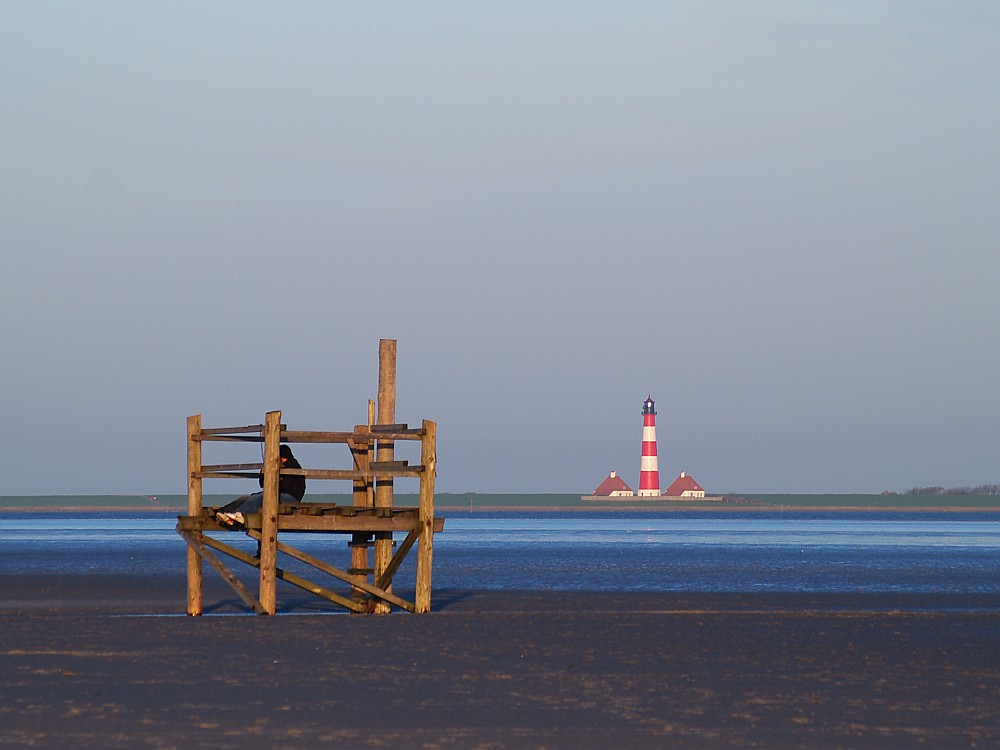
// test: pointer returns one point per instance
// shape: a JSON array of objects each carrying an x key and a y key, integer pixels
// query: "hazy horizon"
[{"x": 777, "y": 219}]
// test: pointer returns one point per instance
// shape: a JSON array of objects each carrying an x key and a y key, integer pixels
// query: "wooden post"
[
  {"x": 269, "y": 513},
  {"x": 425, "y": 544},
  {"x": 385, "y": 452},
  {"x": 194, "y": 569},
  {"x": 361, "y": 452}
]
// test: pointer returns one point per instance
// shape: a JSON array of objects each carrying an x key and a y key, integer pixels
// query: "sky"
[{"x": 780, "y": 220}]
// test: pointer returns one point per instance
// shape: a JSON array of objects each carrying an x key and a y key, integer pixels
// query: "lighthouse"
[{"x": 649, "y": 474}]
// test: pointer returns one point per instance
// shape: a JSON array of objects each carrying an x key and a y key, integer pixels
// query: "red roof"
[
  {"x": 682, "y": 484},
  {"x": 613, "y": 483}
]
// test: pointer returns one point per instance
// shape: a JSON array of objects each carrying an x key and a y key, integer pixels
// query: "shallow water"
[{"x": 620, "y": 551}]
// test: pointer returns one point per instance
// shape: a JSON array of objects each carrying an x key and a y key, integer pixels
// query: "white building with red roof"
[
  {"x": 685, "y": 486},
  {"x": 613, "y": 486}
]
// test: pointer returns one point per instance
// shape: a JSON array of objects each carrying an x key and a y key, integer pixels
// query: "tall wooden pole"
[
  {"x": 269, "y": 513},
  {"x": 361, "y": 452},
  {"x": 194, "y": 570},
  {"x": 385, "y": 452},
  {"x": 425, "y": 544}
]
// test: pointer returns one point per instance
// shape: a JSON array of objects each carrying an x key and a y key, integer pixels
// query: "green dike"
[
  {"x": 110, "y": 502},
  {"x": 878, "y": 501},
  {"x": 523, "y": 501}
]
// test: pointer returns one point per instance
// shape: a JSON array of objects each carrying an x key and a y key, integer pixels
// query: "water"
[{"x": 621, "y": 551}]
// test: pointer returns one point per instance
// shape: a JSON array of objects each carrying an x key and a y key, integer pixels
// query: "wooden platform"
[{"x": 371, "y": 519}]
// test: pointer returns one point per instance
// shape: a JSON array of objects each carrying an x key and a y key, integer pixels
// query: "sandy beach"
[{"x": 110, "y": 661}]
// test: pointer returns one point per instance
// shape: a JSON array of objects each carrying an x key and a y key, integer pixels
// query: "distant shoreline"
[
  {"x": 590, "y": 508},
  {"x": 458, "y": 502},
  {"x": 728, "y": 508}
]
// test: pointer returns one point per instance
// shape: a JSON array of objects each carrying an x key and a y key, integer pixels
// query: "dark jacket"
[{"x": 288, "y": 485}]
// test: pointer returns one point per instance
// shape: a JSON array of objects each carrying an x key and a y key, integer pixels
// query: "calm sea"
[{"x": 620, "y": 551}]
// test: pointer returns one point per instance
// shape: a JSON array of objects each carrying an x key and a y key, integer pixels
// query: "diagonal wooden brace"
[
  {"x": 198, "y": 541},
  {"x": 342, "y": 575},
  {"x": 385, "y": 580}
]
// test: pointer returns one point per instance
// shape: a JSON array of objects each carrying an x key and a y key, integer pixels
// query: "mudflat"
[{"x": 112, "y": 662}]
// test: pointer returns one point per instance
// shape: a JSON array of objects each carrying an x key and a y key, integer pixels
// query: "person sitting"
[{"x": 291, "y": 489}]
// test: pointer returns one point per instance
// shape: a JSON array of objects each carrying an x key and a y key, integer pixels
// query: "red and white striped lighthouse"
[{"x": 649, "y": 474}]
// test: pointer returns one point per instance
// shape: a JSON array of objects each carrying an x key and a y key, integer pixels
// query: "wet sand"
[{"x": 110, "y": 661}]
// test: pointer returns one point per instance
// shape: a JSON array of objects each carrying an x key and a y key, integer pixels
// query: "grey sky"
[{"x": 778, "y": 219}]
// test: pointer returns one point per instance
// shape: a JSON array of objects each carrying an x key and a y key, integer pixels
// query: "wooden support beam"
[
  {"x": 376, "y": 432},
  {"x": 409, "y": 471},
  {"x": 211, "y": 431},
  {"x": 233, "y": 552},
  {"x": 366, "y": 524},
  {"x": 425, "y": 548},
  {"x": 312, "y": 436},
  {"x": 385, "y": 452},
  {"x": 379, "y": 466},
  {"x": 385, "y": 580},
  {"x": 391, "y": 469},
  {"x": 232, "y": 467},
  {"x": 380, "y": 428},
  {"x": 363, "y": 497},
  {"x": 345, "y": 576},
  {"x": 284, "y": 575},
  {"x": 312, "y": 588},
  {"x": 197, "y": 543},
  {"x": 231, "y": 438},
  {"x": 194, "y": 501},
  {"x": 269, "y": 512},
  {"x": 228, "y": 474},
  {"x": 333, "y": 523}
]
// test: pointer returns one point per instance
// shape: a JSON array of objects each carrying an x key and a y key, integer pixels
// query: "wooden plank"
[
  {"x": 347, "y": 577},
  {"x": 312, "y": 436},
  {"x": 231, "y": 438},
  {"x": 228, "y": 474},
  {"x": 397, "y": 559},
  {"x": 377, "y": 466},
  {"x": 312, "y": 588},
  {"x": 269, "y": 512},
  {"x": 284, "y": 575},
  {"x": 231, "y": 430},
  {"x": 232, "y": 467},
  {"x": 389, "y": 435},
  {"x": 194, "y": 503},
  {"x": 233, "y": 552},
  {"x": 196, "y": 544},
  {"x": 340, "y": 524},
  {"x": 410, "y": 471},
  {"x": 331, "y": 523},
  {"x": 190, "y": 523},
  {"x": 375, "y": 432},
  {"x": 381, "y": 427}
]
